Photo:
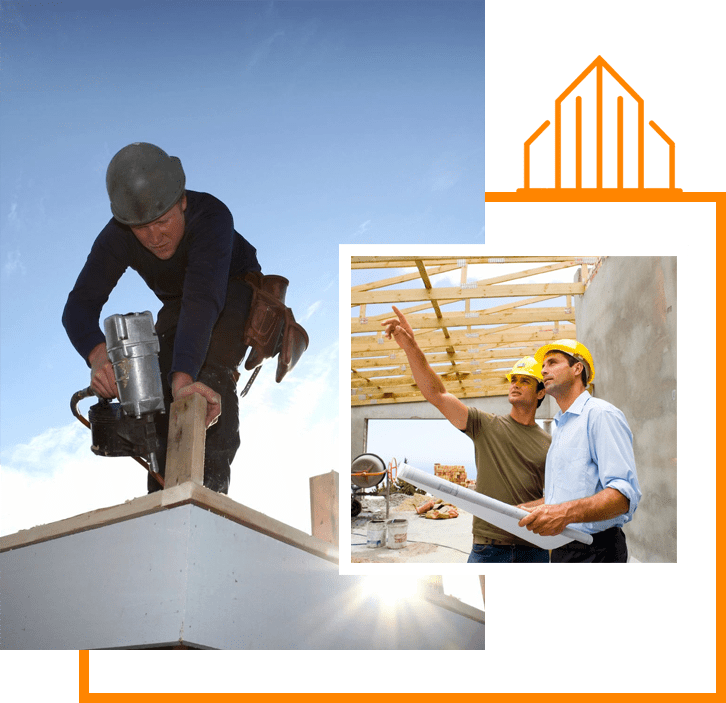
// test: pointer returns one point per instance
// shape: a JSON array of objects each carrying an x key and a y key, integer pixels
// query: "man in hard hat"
[
  {"x": 184, "y": 245},
  {"x": 590, "y": 477},
  {"x": 510, "y": 450}
]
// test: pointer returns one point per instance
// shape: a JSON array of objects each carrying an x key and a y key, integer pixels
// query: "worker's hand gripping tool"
[{"x": 127, "y": 428}]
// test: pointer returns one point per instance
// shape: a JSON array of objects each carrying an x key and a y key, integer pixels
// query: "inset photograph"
[{"x": 513, "y": 409}]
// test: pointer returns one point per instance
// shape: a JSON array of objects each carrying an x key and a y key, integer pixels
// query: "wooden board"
[{"x": 187, "y": 435}]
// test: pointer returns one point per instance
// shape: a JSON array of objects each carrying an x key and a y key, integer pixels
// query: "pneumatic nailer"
[{"x": 127, "y": 428}]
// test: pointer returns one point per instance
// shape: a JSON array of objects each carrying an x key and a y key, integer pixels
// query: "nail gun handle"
[{"x": 76, "y": 398}]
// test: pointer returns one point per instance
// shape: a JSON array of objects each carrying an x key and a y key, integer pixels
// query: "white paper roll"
[{"x": 489, "y": 509}]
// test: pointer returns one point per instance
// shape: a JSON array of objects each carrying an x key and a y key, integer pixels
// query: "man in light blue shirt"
[{"x": 590, "y": 477}]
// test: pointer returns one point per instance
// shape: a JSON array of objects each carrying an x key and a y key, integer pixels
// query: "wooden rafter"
[{"x": 472, "y": 346}]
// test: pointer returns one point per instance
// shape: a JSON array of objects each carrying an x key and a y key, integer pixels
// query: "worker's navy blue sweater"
[{"x": 210, "y": 252}]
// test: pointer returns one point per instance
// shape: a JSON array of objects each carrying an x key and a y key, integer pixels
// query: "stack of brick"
[{"x": 455, "y": 474}]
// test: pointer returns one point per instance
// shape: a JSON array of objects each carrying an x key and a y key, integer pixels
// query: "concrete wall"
[{"x": 627, "y": 319}]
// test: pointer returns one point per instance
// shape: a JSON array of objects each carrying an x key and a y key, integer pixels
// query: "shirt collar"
[{"x": 576, "y": 408}]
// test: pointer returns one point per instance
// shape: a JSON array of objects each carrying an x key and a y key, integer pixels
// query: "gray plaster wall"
[{"x": 627, "y": 319}]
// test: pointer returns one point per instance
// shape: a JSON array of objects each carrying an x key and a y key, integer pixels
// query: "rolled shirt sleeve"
[
  {"x": 612, "y": 446},
  {"x": 592, "y": 449}
]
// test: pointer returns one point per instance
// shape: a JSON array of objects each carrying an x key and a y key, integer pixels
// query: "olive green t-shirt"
[{"x": 510, "y": 464}]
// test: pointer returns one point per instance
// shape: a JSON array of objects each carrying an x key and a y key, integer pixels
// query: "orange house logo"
[
  {"x": 602, "y": 157},
  {"x": 599, "y": 67}
]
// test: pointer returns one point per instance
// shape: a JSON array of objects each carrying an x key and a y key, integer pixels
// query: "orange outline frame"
[
  {"x": 526, "y": 194},
  {"x": 85, "y": 697}
]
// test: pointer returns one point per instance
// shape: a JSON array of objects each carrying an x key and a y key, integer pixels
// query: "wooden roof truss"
[{"x": 472, "y": 333}]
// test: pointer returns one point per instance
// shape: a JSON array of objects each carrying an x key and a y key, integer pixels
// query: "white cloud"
[
  {"x": 446, "y": 171},
  {"x": 332, "y": 282},
  {"x": 362, "y": 228},
  {"x": 13, "y": 263},
  {"x": 311, "y": 310},
  {"x": 289, "y": 432},
  {"x": 263, "y": 49},
  {"x": 56, "y": 476}
]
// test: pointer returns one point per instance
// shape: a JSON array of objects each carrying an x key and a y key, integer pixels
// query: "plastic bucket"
[
  {"x": 397, "y": 533},
  {"x": 376, "y": 533}
]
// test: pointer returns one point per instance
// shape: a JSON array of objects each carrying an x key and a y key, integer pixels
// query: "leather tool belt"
[{"x": 271, "y": 329}]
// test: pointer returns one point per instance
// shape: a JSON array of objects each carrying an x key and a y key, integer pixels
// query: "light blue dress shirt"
[{"x": 592, "y": 449}]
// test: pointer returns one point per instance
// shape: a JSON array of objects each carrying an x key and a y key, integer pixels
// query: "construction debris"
[
  {"x": 442, "y": 511},
  {"x": 399, "y": 486},
  {"x": 426, "y": 506},
  {"x": 455, "y": 474},
  {"x": 414, "y": 502}
]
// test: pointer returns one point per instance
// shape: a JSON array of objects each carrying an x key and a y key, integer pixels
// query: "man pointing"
[{"x": 510, "y": 450}]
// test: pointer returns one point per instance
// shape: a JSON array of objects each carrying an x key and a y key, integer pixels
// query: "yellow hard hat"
[
  {"x": 526, "y": 366},
  {"x": 573, "y": 348}
]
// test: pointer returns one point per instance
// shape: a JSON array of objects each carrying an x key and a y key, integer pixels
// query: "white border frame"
[{"x": 680, "y": 251}]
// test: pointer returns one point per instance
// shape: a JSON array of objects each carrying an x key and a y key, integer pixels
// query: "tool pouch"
[
  {"x": 294, "y": 342},
  {"x": 271, "y": 329}
]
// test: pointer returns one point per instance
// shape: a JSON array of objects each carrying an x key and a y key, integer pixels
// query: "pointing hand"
[{"x": 398, "y": 328}]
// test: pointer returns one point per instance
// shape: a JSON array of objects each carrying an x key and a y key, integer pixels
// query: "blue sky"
[{"x": 315, "y": 122}]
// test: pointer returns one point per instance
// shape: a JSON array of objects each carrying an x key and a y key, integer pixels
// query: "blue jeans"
[{"x": 507, "y": 553}]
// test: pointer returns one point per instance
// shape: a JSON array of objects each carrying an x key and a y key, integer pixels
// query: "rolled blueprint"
[{"x": 489, "y": 509}]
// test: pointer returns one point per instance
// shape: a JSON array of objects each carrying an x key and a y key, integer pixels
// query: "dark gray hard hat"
[{"x": 143, "y": 182}]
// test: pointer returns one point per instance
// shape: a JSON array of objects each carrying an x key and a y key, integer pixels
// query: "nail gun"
[{"x": 127, "y": 428}]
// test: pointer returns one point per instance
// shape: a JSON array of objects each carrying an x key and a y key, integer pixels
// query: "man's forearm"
[
  {"x": 550, "y": 519},
  {"x": 427, "y": 380},
  {"x": 606, "y": 504}
]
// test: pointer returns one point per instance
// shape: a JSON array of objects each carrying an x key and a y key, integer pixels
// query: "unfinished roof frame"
[{"x": 472, "y": 349}]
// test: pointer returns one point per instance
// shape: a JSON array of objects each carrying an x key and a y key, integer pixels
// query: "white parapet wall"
[{"x": 187, "y": 566}]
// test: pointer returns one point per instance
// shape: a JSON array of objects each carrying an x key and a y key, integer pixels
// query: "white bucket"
[
  {"x": 397, "y": 533},
  {"x": 376, "y": 533}
]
